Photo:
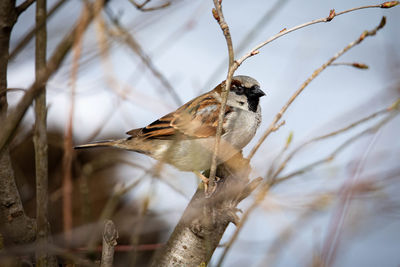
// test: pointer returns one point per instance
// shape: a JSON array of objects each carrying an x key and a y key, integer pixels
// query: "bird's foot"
[{"x": 208, "y": 190}]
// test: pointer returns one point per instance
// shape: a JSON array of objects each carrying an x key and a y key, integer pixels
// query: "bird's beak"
[{"x": 258, "y": 92}]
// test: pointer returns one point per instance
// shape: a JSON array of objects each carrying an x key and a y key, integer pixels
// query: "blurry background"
[{"x": 126, "y": 82}]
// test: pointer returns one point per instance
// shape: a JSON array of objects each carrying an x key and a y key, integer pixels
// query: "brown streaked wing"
[
  {"x": 159, "y": 129},
  {"x": 195, "y": 119},
  {"x": 200, "y": 118}
]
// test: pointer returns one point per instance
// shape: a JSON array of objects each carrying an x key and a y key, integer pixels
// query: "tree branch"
[
  {"x": 268, "y": 183},
  {"x": 16, "y": 227},
  {"x": 14, "y": 118},
  {"x": 24, "y": 6},
  {"x": 25, "y": 40},
  {"x": 278, "y": 116},
  {"x": 110, "y": 236},
  {"x": 142, "y": 7},
  {"x": 40, "y": 144},
  {"x": 204, "y": 221},
  {"x": 219, "y": 17}
]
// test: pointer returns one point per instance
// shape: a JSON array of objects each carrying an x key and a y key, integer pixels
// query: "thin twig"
[
  {"x": 25, "y": 40},
  {"x": 329, "y": 18},
  {"x": 219, "y": 16},
  {"x": 266, "y": 186},
  {"x": 142, "y": 7},
  {"x": 68, "y": 144},
  {"x": 249, "y": 37},
  {"x": 319, "y": 138},
  {"x": 331, "y": 156},
  {"x": 278, "y": 116},
  {"x": 24, "y": 6},
  {"x": 128, "y": 39},
  {"x": 352, "y": 64}
]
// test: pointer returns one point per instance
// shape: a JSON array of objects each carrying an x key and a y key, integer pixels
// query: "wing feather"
[{"x": 195, "y": 119}]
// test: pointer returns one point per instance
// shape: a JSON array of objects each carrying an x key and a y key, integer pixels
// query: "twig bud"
[
  {"x": 215, "y": 14},
  {"x": 289, "y": 139},
  {"x": 255, "y": 52},
  {"x": 360, "y": 65},
  {"x": 395, "y": 105},
  {"x": 332, "y": 14},
  {"x": 389, "y": 4}
]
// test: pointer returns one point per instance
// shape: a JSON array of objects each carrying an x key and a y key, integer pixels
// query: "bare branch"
[
  {"x": 329, "y": 18},
  {"x": 16, "y": 226},
  {"x": 339, "y": 149},
  {"x": 261, "y": 23},
  {"x": 40, "y": 144},
  {"x": 24, "y": 6},
  {"x": 197, "y": 235},
  {"x": 219, "y": 17},
  {"x": 323, "y": 137},
  {"x": 142, "y": 7},
  {"x": 266, "y": 185},
  {"x": 309, "y": 80},
  {"x": 126, "y": 37},
  {"x": 110, "y": 236},
  {"x": 14, "y": 118},
  {"x": 25, "y": 40}
]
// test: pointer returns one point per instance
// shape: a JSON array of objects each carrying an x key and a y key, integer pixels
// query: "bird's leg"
[{"x": 208, "y": 192}]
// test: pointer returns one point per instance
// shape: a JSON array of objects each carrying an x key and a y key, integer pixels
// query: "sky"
[{"x": 187, "y": 46}]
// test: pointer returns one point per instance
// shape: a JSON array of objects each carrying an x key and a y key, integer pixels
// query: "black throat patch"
[{"x": 253, "y": 102}]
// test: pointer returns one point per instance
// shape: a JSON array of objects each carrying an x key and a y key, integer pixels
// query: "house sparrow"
[{"x": 185, "y": 138}]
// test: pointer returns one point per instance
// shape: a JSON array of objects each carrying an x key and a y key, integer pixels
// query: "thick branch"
[
  {"x": 204, "y": 221},
  {"x": 16, "y": 227}
]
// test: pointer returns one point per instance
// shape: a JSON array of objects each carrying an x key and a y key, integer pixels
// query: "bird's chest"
[{"x": 241, "y": 127}]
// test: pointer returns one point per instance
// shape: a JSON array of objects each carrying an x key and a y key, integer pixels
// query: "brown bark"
[
  {"x": 205, "y": 220},
  {"x": 110, "y": 236},
  {"x": 40, "y": 143},
  {"x": 16, "y": 227}
]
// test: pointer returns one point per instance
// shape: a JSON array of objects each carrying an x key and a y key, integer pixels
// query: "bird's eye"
[{"x": 239, "y": 90}]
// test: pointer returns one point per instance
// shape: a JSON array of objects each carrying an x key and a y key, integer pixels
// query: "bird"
[{"x": 185, "y": 137}]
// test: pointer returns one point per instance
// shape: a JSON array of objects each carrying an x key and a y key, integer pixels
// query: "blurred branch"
[
  {"x": 339, "y": 149},
  {"x": 14, "y": 118},
  {"x": 135, "y": 236},
  {"x": 249, "y": 37},
  {"x": 142, "y": 7},
  {"x": 110, "y": 236},
  {"x": 273, "y": 126},
  {"x": 40, "y": 145},
  {"x": 25, "y": 40},
  {"x": 121, "y": 33},
  {"x": 278, "y": 116},
  {"x": 68, "y": 136},
  {"x": 108, "y": 210},
  {"x": 24, "y": 6},
  {"x": 331, "y": 134}
]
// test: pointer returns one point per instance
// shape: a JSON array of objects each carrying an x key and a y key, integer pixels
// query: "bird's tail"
[{"x": 105, "y": 143}]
